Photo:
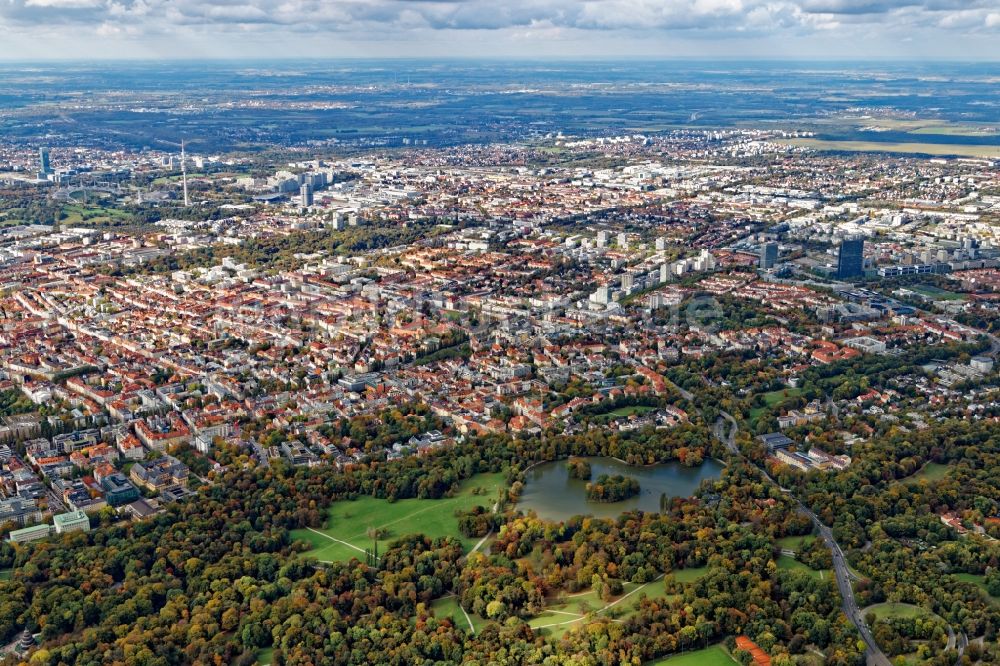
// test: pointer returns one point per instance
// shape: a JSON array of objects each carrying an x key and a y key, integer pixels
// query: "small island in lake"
[
  {"x": 554, "y": 495},
  {"x": 612, "y": 488},
  {"x": 578, "y": 468}
]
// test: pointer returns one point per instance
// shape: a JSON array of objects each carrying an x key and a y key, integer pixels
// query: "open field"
[
  {"x": 448, "y": 607},
  {"x": 791, "y": 564},
  {"x": 897, "y": 147},
  {"x": 565, "y": 612},
  {"x": 934, "y": 127},
  {"x": 980, "y": 582},
  {"x": 710, "y": 656},
  {"x": 265, "y": 656},
  {"x": 345, "y": 533},
  {"x": 689, "y": 575},
  {"x": 772, "y": 398},
  {"x": 79, "y": 213},
  {"x": 957, "y": 130},
  {"x": 795, "y": 543},
  {"x": 938, "y": 294},
  {"x": 904, "y": 611},
  {"x": 5, "y": 574},
  {"x": 176, "y": 178},
  {"x": 929, "y": 472},
  {"x": 629, "y": 411}
]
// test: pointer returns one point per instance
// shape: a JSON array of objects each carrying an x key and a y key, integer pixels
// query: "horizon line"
[{"x": 506, "y": 58}]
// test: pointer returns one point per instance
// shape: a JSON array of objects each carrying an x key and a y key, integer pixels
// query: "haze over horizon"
[{"x": 781, "y": 29}]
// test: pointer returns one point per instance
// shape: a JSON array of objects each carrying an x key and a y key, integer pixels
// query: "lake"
[{"x": 554, "y": 496}]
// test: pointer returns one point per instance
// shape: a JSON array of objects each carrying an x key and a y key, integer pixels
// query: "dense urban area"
[{"x": 693, "y": 396}]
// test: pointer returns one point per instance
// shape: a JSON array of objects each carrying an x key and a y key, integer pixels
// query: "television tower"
[{"x": 184, "y": 175}]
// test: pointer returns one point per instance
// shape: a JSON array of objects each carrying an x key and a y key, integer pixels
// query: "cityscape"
[{"x": 498, "y": 361}]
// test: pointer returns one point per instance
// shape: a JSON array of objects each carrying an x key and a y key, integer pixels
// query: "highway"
[
  {"x": 874, "y": 653},
  {"x": 842, "y": 572}
]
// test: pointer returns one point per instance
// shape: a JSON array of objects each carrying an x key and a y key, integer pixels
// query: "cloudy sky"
[{"x": 834, "y": 29}]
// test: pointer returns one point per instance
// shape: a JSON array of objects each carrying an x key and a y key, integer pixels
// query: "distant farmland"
[{"x": 938, "y": 149}]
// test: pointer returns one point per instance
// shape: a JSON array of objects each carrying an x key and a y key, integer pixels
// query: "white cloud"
[
  {"x": 64, "y": 4},
  {"x": 228, "y": 21}
]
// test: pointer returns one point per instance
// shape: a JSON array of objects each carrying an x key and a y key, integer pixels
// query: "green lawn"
[
  {"x": 265, "y": 656},
  {"x": 79, "y": 213},
  {"x": 345, "y": 533},
  {"x": 654, "y": 590},
  {"x": 795, "y": 543},
  {"x": 929, "y": 472},
  {"x": 5, "y": 574},
  {"x": 978, "y": 581},
  {"x": 689, "y": 575},
  {"x": 629, "y": 411},
  {"x": 448, "y": 607},
  {"x": 791, "y": 564},
  {"x": 938, "y": 294},
  {"x": 565, "y": 613},
  {"x": 710, "y": 656},
  {"x": 772, "y": 398},
  {"x": 903, "y": 611},
  {"x": 163, "y": 180}
]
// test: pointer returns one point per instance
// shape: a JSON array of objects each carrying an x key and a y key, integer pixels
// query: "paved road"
[
  {"x": 687, "y": 395},
  {"x": 832, "y": 406},
  {"x": 56, "y": 504},
  {"x": 994, "y": 344},
  {"x": 730, "y": 439},
  {"x": 841, "y": 571},
  {"x": 874, "y": 654},
  {"x": 963, "y": 642}
]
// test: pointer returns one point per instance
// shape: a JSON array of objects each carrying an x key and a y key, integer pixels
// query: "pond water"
[{"x": 554, "y": 496}]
